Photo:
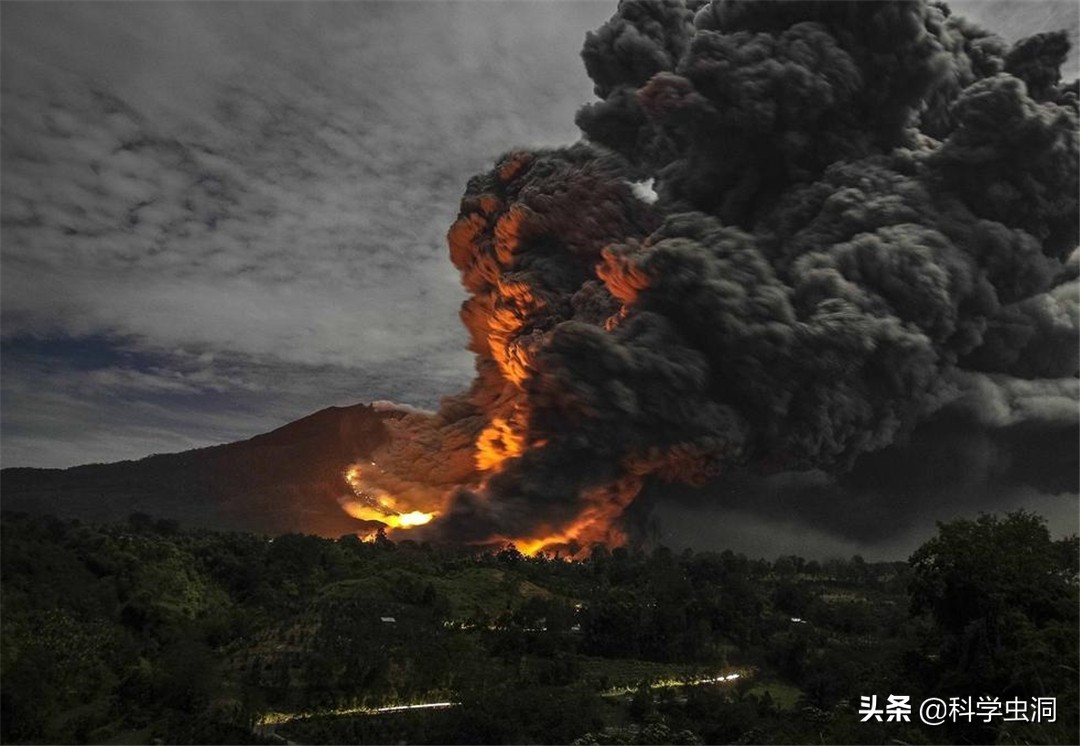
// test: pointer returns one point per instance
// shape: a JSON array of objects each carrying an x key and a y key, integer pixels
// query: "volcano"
[
  {"x": 295, "y": 479},
  {"x": 286, "y": 480},
  {"x": 791, "y": 236}
]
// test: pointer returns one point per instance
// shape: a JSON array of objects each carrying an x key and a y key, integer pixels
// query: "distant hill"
[{"x": 282, "y": 481}]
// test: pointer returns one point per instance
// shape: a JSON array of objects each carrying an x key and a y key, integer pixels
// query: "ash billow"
[{"x": 864, "y": 212}]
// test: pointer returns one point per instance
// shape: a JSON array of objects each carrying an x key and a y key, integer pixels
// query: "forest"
[{"x": 146, "y": 632}]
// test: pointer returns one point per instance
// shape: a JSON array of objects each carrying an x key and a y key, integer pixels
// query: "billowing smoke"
[{"x": 863, "y": 212}]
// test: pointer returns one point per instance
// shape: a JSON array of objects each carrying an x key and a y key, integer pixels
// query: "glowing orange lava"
[
  {"x": 374, "y": 504},
  {"x": 393, "y": 520}
]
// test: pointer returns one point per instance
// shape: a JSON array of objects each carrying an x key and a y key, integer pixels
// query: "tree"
[
  {"x": 980, "y": 571},
  {"x": 1003, "y": 596}
]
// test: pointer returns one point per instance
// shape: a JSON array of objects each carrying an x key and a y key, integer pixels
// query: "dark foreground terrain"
[{"x": 141, "y": 632}]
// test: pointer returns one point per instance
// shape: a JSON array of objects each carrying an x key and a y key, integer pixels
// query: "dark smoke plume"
[{"x": 863, "y": 210}]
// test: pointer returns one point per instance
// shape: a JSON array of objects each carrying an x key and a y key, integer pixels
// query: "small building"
[{"x": 388, "y": 620}]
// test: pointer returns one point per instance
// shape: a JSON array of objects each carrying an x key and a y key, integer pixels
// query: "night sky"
[{"x": 220, "y": 217}]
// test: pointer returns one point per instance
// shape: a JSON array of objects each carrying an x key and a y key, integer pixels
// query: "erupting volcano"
[{"x": 863, "y": 213}]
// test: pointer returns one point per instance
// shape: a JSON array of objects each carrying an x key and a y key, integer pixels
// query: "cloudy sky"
[{"x": 219, "y": 217}]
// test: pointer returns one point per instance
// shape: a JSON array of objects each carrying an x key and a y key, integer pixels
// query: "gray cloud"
[
  {"x": 704, "y": 527},
  {"x": 135, "y": 403},
  {"x": 268, "y": 181}
]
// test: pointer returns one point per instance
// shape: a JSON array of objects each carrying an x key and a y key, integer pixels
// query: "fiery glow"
[
  {"x": 514, "y": 308},
  {"x": 502, "y": 243},
  {"x": 497, "y": 443},
  {"x": 374, "y": 504},
  {"x": 415, "y": 518},
  {"x": 393, "y": 520},
  {"x": 594, "y": 524},
  {"x": 624, "y": 280},
  {"x": 501, "y": 314}
]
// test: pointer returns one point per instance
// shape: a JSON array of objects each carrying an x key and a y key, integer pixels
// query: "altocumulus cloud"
[{"x": 220, "y": 217}]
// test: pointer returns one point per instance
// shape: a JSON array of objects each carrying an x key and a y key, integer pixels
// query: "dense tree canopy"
[
  {"x": 143, "y": 631},
  {"x": 1003, "y": 596}
]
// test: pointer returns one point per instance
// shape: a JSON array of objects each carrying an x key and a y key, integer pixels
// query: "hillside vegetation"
[{"x": 141, "y": 632}]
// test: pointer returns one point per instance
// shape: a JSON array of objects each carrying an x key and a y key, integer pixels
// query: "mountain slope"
[{"x": 286, "y": 480}]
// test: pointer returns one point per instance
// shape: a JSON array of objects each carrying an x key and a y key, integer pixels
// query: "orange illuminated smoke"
[
  {"x": 498, "y": 442},
  {"x": 623, "y": 278},
  {"x": 594, "y": 524}
]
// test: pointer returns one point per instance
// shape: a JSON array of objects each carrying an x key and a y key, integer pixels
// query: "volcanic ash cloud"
[{"x": 863, "y": 209}]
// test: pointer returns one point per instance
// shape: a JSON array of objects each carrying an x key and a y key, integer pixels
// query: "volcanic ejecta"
[{"x": 791, "y": 232}]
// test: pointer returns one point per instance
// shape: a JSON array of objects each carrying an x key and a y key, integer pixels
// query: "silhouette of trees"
[
  {"x": 1003, "y": 597},
  {"x": 192, "y": 636}
]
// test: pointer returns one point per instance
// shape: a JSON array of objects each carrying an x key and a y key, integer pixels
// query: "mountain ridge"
[{"x": 285, "y": 480}]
